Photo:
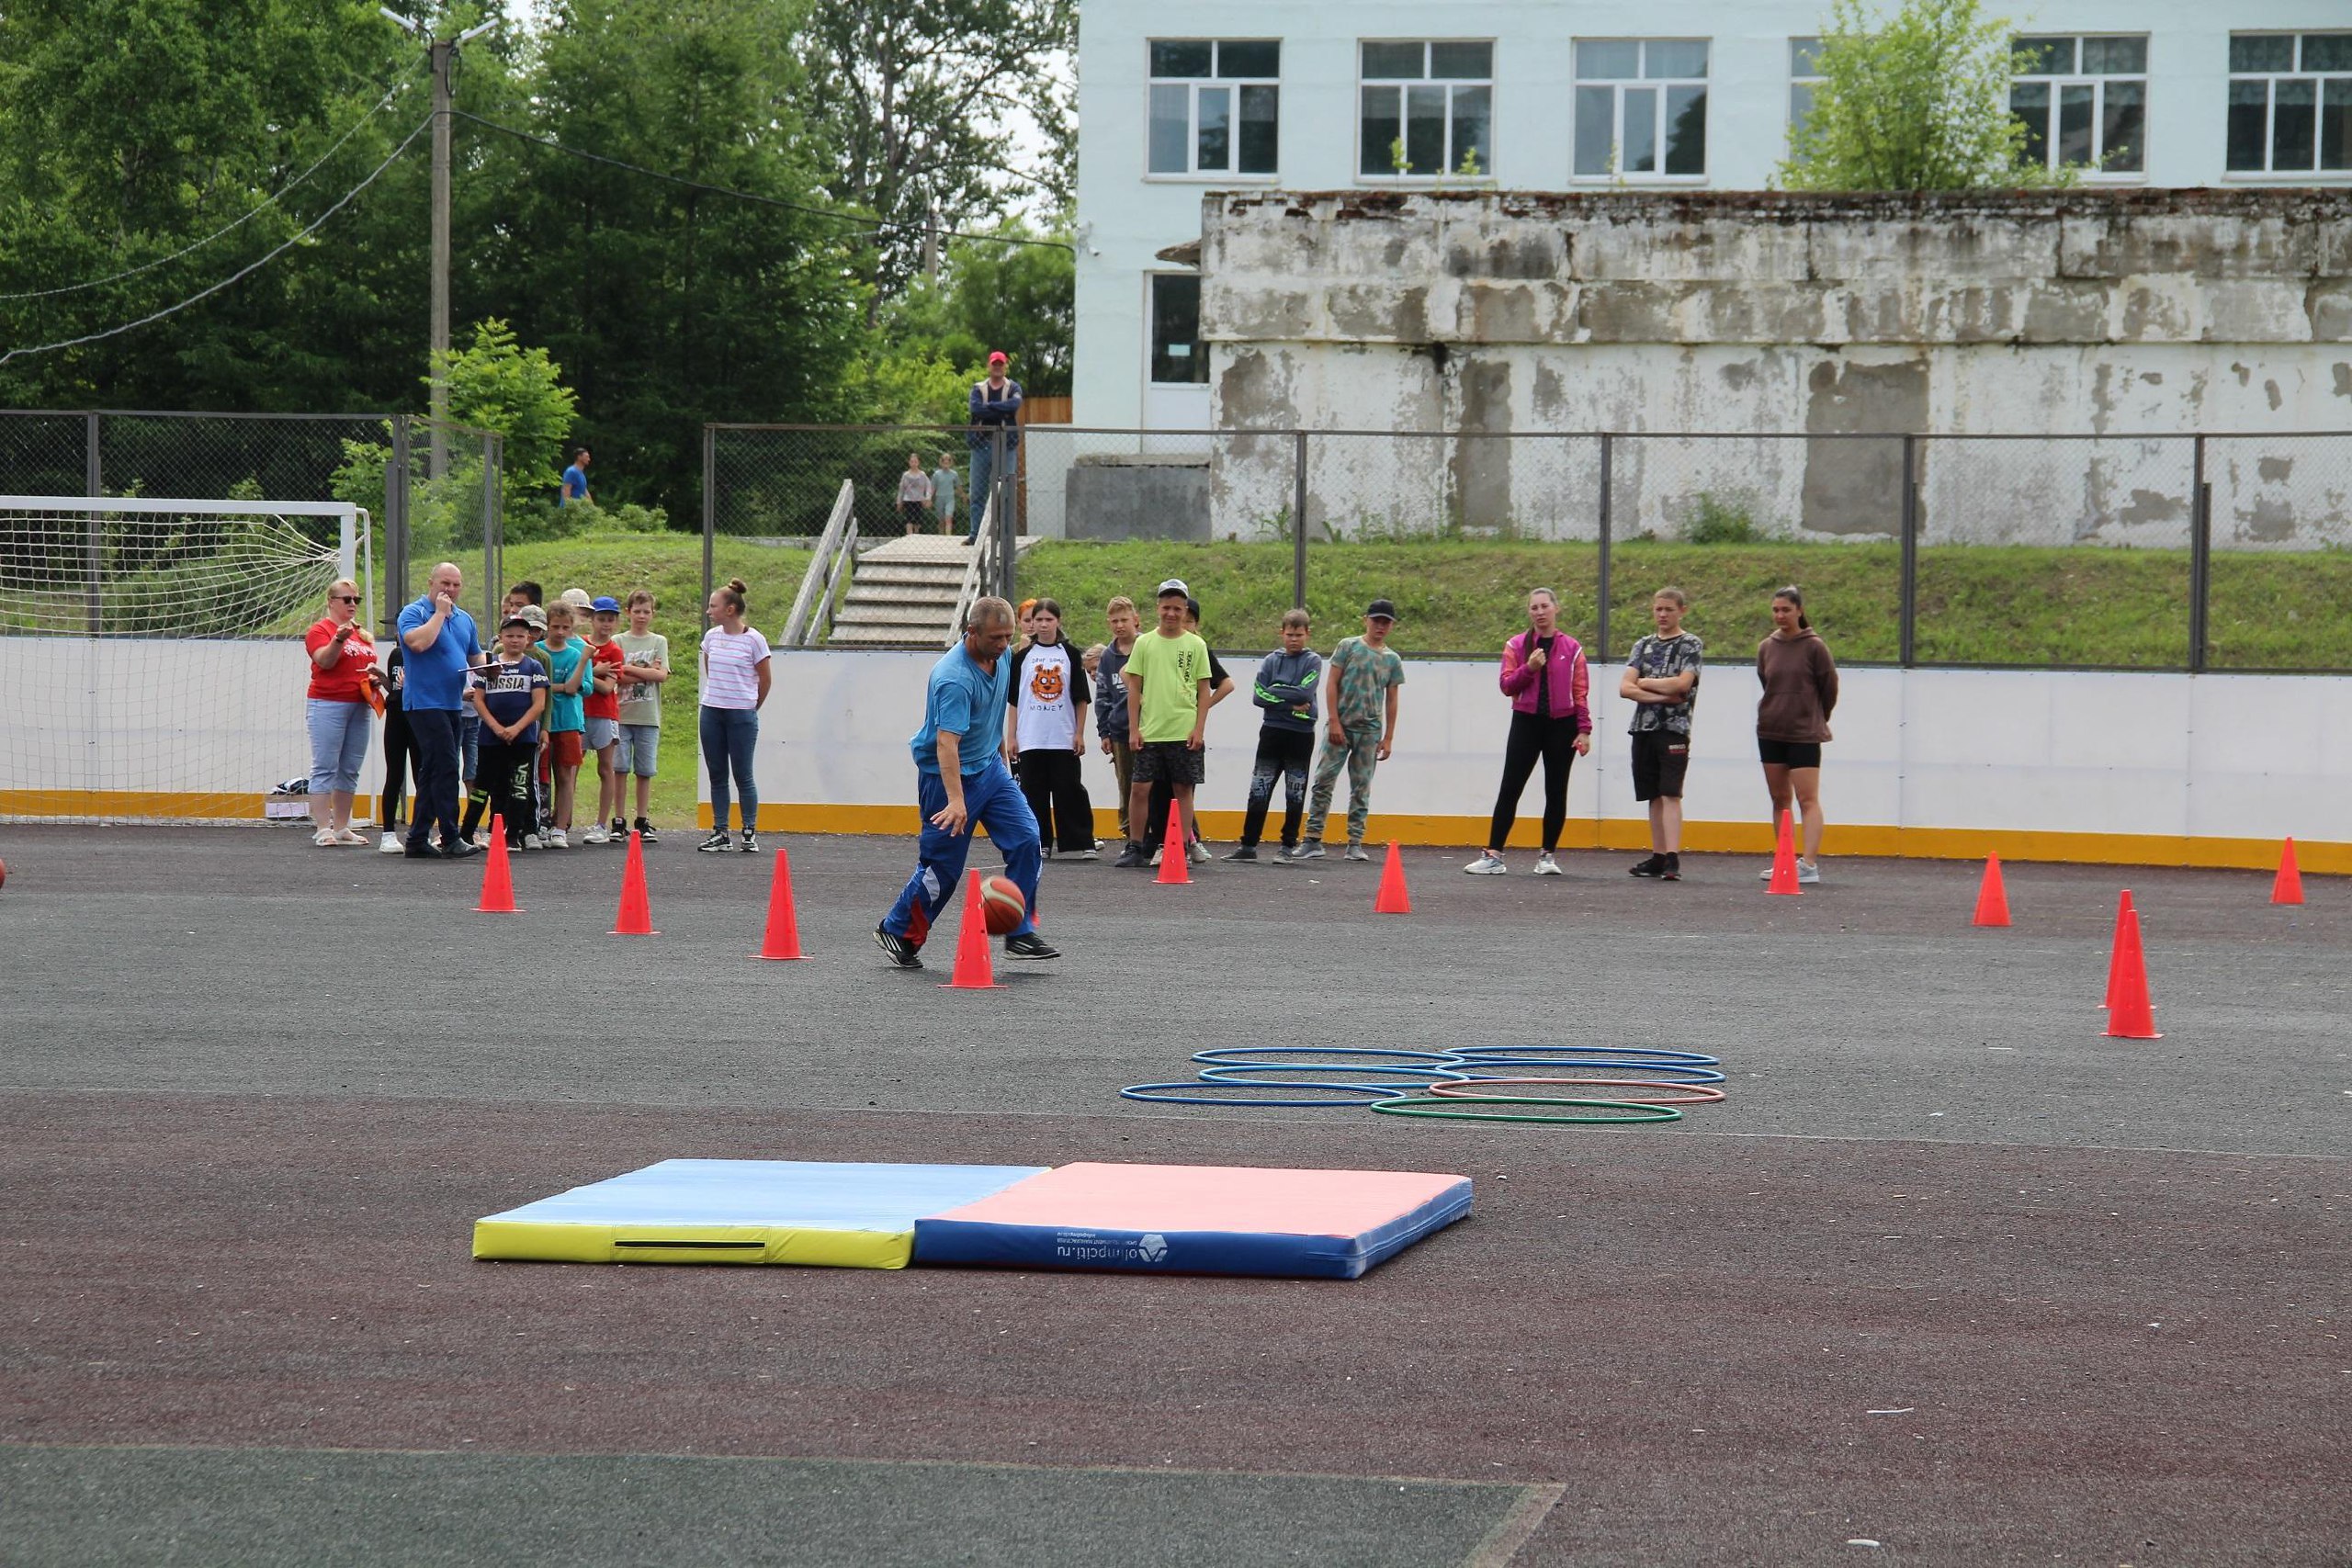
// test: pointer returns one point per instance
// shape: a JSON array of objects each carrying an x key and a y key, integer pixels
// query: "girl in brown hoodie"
[{"x": 1800, "y": 682}]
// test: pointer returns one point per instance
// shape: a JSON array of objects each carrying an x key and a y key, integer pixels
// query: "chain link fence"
[{"x": 379, "y": 462}]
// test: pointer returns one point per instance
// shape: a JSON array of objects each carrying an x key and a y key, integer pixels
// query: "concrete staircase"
[{"x": 903, "y": 593}]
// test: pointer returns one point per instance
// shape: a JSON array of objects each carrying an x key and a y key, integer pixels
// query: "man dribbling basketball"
[{"x": 961, "y": 782}]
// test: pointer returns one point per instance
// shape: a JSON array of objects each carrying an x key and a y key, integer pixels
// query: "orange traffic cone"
[
  {"x": 635, "y": 917},
  {"x": 783, "y": 939},
  {"x": 1391, "y": 899},
  {"x": 2115, "y": 959},
  {"x": 973, "y": 972},
  {"x": 497, "y": 876},
  {"x": 2287, "y": 888},
  {"x": 1175, "y": 855},
  {"x": 2132, "y": 1017},
  {"x": 1992, "y": 898},
  {"x": 1785, "y": 859}
]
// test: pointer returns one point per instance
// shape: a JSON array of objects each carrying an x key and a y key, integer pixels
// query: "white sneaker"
[
  {"x": 1200, "y": 852},
  {"x": 1546, "y": 866},
  {"x": 532, "y": 841},
  {"x": 596, "y": 835},
  {"x": 558, "y": 839},
  {"x": 1488, "y": 864},
  {"x": 391, "y": 844},
  {"x": 1157, "y": 853},
  {"x": 1764, "y": 875},
  {"x": 1808, "y": 874}
]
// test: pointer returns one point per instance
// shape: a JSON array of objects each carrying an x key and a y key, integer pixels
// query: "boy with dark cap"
[{"x": 1359, "y": 703}]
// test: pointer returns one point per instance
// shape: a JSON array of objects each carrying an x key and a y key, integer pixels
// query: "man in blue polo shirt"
[
  {"x": 439, "y": 643},
  {"x": 961, "y": 782}
]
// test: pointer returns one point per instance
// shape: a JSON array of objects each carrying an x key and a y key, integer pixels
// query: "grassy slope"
[{"x": 1977, "y": 603}]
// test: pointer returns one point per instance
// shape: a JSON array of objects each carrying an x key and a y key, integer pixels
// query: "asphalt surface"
[{"x": 1948, "y": 1271}]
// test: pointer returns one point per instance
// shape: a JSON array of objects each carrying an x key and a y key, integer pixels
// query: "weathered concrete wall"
[
  {"x": 1131, "y": 496},
  {"x": 1795, "y": 322}
]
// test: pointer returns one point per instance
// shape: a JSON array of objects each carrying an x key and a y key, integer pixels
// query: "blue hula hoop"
[
  {"x": 1153, "y": 1094},
  {"x": 1640, "y": 1053},
  {"x": 1240, "y": 1072}
]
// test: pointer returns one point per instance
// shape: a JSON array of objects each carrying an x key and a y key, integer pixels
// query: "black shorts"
[
  {"x": 1789, "y": 753},
  {"x": 1660, "y": 759},
  {"x": 1170, "y": 762}
]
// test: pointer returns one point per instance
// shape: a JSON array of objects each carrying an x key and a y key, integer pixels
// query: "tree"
[
  {"x": 496, "y": 384},
  {"x": 1020, "y": 299},
  {"x": 912, "y": 97},
  {"x": 1917, "y": 101}
]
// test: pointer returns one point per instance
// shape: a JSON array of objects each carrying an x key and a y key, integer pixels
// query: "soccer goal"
[{"x": 152, "y": 666}]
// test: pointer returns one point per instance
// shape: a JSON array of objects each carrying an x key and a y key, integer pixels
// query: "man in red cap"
[{"x": 996, "y": 405}]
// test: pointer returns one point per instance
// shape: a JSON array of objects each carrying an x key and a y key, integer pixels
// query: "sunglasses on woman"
[{"x": 342, "y": 598}]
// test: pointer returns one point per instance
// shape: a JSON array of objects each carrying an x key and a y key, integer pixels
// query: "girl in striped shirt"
[{"x": 734, "y": 684}]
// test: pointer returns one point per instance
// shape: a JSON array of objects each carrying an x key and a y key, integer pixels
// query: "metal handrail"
[
  {"x": 979, "y": 572},
  {"x": 821, "y": 564}
]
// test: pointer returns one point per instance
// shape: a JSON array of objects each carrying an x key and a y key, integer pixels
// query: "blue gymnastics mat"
[
  {"x": 1190, "y": 1219},
  {"x": 741, "y": 1211}
]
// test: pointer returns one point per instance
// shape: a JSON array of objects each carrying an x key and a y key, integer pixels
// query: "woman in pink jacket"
[{"x": 1545, "y": 677}]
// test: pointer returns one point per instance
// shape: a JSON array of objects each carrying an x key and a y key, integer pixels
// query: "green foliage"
[
  {"x": 496, "y": 384},
  {"x": 1918, "y": 100},
  {"x": 1714, "y": 521},
  {"x": 534, "y": 521},
  {"x": 1020, "y": 299}
]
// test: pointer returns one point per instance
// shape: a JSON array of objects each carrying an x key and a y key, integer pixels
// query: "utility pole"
[
  {"x": 443, "y": 54},
  {"x": 931, "y": 243},
  {"x": 437, "y": 462}
]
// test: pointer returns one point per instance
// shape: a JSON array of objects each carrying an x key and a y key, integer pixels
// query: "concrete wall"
[
  {"x": 1792, "y": 323},
  {"x": 1128, "y": 216},
  {"x": 143, "y": 727},
  {"x": 2167, "y": 769}
]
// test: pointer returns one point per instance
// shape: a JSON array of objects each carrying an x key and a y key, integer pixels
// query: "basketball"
[{"x": 1003, "y": 903}]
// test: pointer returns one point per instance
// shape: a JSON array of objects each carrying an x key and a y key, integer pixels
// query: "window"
[
  {"x": 1804, "y": 77},
  {"x": 2083, "y": 101},
  {"x": 1178, "y": 357},
  {"x": 2290, "y": 103},
  {"x": 1215, "y": 105},
  {"x": 1426, "y": 109},
  {"x": 1641, "y": 108}
]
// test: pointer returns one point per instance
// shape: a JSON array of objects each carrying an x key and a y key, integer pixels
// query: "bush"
[
  {"x": 1716, "y": 522},
  {"x": 534, "y": 521}
]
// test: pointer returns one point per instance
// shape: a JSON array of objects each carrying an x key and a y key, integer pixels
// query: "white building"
[{"x": 1559, "y": 96}]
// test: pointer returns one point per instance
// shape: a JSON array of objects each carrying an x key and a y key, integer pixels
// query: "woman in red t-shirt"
[{"x": 343, "y": 687}]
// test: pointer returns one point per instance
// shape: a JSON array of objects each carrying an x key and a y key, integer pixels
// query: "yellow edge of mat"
[
  {"x": 523, "y": 1242},
  {"x": 1732, "y": 838}
]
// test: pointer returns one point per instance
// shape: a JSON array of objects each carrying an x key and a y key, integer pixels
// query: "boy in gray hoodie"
[{"x": 1285, "y": 688}]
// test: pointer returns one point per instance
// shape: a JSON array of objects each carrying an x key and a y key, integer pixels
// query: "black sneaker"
[
  {"x": 645, "y": 832},
  {"x": 903, "y": 953},
  {"x": 1673, "y": 871},
  {"x": 1654, "y": 866},
  {"x": 619, "y": 831},
  {"x": 1247, "y": 851},
  {"x": 1132, "y": 858},
  {"x": 717, "y": 844},
  {"x": 421, "y": 851},
  {"x": 463, "y": 849},
  {"x": 1029, "y": 945},
  {"x": 750, "y": 846}
]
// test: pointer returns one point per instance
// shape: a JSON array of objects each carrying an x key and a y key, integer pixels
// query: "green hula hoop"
[{"x": 1440, "y": 1110}]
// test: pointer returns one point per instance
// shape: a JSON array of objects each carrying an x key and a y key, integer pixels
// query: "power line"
[
  {"x": 268, "y": 202},
  {"x": 242, "y": 273},
  {"x": 874, "y": 224}
]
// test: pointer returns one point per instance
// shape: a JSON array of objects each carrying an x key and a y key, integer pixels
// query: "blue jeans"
[
  {"x": 338, "y": 744},
  {"x": 983, "y": 460},
  {"x": 991, "y": 800},
  {"x": 728, "y": 736}
]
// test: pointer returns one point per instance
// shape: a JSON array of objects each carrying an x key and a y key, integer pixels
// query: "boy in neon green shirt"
[{"x": 1168, "y": 706}]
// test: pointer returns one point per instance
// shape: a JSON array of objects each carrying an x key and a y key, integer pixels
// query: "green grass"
[{"x": 1978, "y": 604}]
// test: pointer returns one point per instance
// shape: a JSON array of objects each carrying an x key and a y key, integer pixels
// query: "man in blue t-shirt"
[
  {"x": 961, "y": 782},
  {"x": 575, "y": 481},
  {"x": 437, "y": 641}
]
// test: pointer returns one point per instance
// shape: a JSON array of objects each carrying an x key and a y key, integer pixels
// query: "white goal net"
[{"x": 152, "y": 666}]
